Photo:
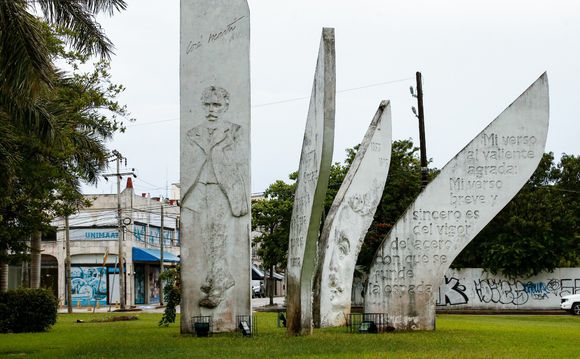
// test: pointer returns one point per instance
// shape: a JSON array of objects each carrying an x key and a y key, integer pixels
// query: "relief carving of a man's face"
[{"x": 215, "y": 101}]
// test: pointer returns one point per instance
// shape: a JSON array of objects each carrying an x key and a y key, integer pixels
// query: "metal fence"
[
  {"x": 247, "y": 325},
  {"x": 367, "y": 323},
  {"x": 202, "y": 325}
]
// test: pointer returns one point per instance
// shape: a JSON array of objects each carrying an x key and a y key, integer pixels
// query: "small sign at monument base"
[{"x": 247, "y": 325}]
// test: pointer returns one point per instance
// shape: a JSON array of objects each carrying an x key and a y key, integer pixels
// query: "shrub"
[
  {"x": 171, "y": 293},
  {"x": 27, "y": 310}
]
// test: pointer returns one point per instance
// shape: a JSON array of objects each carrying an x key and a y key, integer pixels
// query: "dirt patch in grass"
[{"x": 122, "y": 318}]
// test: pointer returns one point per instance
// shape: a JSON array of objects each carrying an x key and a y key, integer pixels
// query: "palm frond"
[
  {"x": 25, "y": 59},
  {"x": 9, "y": 157},
  {"x": 105, "y": 6},
  {"x": 78, "y": 16}
]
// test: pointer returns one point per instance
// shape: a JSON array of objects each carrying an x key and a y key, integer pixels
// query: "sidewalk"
[{"x": 257, "y": 304}]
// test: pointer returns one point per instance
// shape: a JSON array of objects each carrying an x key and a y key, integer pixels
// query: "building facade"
[{"x": 94, "y": 246}]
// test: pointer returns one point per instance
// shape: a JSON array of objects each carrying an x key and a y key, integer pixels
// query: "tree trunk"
[
  {"x": 35, "y": 254},
  {"x": 68, "y": 267},
  {"x": 271, "y": 285},
  {"x": 3, "y": 276},
  {"x": 25, "y": 274}
]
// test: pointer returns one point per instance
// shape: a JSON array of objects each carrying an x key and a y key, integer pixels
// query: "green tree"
[
  {"x": 337, "y": 173},
  {"x": 26, "y": 59},
  {"x": 538, "y": 230},
  {"x": 271, "y": 216},
  {"x": 84, "y": 114},
  {"x": 402, "y": 187},
  {"x": 171, "y": 294},
  {"x": 27, "y": 69},
  {"x": 28, "y": 110}
]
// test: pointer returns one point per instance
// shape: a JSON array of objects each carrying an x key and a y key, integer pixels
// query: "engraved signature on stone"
[
  {"x": 193, "y": 45},
  {"x": 231, "y": 27}
]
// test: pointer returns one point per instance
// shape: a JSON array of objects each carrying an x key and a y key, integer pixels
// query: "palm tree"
[
  {"x": 26, "y": 61},
  {"x": 25, "y": 57},
  {"x": 27, "y": 74}
]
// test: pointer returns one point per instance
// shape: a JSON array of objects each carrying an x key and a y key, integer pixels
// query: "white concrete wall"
[{"x": 473, "y": 288}]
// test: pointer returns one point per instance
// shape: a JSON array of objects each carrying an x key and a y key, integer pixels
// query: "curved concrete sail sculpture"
[
  {"x": 215, "y": 162},
  {"x": 348, "y": 221},
  {"x": 313, "y": 175},
  {"x": 470, "y": 190}
]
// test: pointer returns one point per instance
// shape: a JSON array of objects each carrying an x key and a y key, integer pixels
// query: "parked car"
[
  {"x": 571, "y": 303},
  {"x": 258, "y": 291}
]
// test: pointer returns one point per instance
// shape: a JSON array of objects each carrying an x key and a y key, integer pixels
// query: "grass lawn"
[{"x": 457, "y": 336}]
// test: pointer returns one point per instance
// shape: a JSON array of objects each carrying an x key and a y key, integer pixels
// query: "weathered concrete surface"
[
  {"x": 313, "y": 175},
  {"x": 475, "y": 289},
  {"x": 470, "y": 190},
  {"x": 215, "y": 161},
  {"x": 348, "y": 221}
]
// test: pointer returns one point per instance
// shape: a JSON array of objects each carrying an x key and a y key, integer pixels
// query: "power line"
[
  {"x": 153, "y": 122},
  {"x": 288, "y": 100}
]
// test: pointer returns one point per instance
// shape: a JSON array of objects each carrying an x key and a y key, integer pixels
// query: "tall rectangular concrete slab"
[
  {"x": 348, "y": 221},
  {"x": 215, "y": 161},
  {"x": 313, "y": 175},
  {"x": 468, "y": 192}
]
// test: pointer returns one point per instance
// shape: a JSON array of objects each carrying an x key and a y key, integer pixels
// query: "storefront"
[
  {"x": 146, "y": 268},
  {"x": 94, "y": 280}
]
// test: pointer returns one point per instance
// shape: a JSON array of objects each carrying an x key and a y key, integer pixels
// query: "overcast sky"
[{"x": 476, "y": 57}]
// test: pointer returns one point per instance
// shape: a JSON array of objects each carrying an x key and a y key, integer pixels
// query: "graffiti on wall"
[
  {"x": 518, "y": 292},
  {"x": 473, "y": 288},
  {"x": 451, "y": 292},
  {"x": 569, "y": 286},
  {"x": 89, "y": 285},
  {"x": 499, "y": 291}
]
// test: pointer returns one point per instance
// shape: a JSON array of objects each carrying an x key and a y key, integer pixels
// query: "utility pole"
[
  {"x": 121, "y": 253},
  {"x": 120, "y": 227},
  {"x": 68, "y": 267},
  {"x": 161, "y": 240},
  {"x": 421, "y": 117}
]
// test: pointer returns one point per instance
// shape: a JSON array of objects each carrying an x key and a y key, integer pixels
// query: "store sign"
[{"x": 92, "y": 234}]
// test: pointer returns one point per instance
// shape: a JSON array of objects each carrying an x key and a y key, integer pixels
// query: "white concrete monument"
[
  {"x": 215, "y": 162},
  {"x": 348, "y": 221},
  {"x": 470, "y": 190},
  {"x": 313, "y": 175}
]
